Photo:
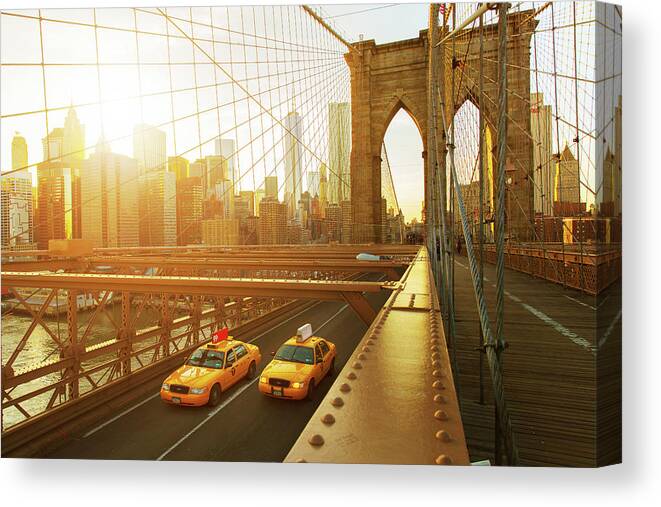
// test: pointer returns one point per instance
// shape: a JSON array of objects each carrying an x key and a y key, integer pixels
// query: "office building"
[
  {"x": 293, "y": 162},
  {"x": 220, "y": 231},
  {"x": 272, "y": 227},
  {"x": 110, "y": 211},
  {"x": 158, "y": 209},
  {"x": 189, "y": 210},
  {"x": 271, "y": 187},
  {"x": 149, "y": 149},
  {"x": 567, "y": 197},
  {"x": 339, "y": 151},
  {"x": 226, "y": 148},
  {"x": 541, "y": 123},
  {"x": 179, "y": 166}
]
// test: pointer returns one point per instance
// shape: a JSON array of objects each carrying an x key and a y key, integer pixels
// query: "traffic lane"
[
  {"x": 255, "y": 427},
  {"x": 147, "y": 431}
]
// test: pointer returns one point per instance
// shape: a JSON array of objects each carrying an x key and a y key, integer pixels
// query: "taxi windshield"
[
  {"x": 207, "y": 358},
  {"x": 296, "y": 354}
]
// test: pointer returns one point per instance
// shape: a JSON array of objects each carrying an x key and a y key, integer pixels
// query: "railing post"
[
  {"x": 166, "y": 324},
  {"x": 127, "y": 334},
  {"x": 72, "y": 349}
]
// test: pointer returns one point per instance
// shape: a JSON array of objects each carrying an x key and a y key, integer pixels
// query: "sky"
[
  {"x": 304, "y": 78},
  {"x": 387, "y": 23}
]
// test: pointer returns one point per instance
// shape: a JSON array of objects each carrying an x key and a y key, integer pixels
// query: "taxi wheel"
[
  {"x": 310, "y": 390},
  {"x": 214, "y": 395},
  {"x": 252, "y": 370}
]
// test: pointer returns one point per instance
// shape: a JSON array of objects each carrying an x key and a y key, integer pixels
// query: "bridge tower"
[{"x": 388, "y": 77}]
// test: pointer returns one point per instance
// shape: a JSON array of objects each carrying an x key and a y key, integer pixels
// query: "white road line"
[
  {"x": 229, "y": 400},
  {"x": 609, "y": 330},
  {"x": 581, "y": 303},
  {"x": 582, "y": 342},
  {"x": 121, "y": 414},
  {"x": 128, "y": 410}
]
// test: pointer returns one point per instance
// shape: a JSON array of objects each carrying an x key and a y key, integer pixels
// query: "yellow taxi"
[
  {"x": 298, "y": 366},
  {"x": 210, "y": 370}
]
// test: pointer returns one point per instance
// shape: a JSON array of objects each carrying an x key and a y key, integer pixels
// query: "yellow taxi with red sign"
[
  {"x": 210, "y": 370},
  {"x": 298, "y": 366}
]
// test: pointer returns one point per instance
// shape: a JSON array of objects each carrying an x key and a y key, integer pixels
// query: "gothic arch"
[{"x": 388, "y": 77}]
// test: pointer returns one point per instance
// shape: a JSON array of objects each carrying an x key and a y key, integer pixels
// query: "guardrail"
[
  {"x": 590, "y": 272},
  {"x": 43, "y": 432},
  {"x": 395, "y": 400}
]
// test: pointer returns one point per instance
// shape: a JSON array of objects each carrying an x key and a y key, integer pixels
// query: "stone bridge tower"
[{"x": 388, "y": 77}]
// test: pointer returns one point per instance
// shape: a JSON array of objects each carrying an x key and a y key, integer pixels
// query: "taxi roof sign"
[
  {"x": 220, "y": 335},
  {"x": 304, "y": 332}
]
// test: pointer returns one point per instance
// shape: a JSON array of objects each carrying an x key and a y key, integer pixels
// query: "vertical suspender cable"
[
  {"x": 481, "y": 218},
  {"x": 500, "y": 209}
]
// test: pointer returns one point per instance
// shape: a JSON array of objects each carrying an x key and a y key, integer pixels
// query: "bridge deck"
[{"x": 561, "y": 382}]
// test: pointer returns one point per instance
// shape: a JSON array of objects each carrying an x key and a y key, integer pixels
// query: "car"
[
  {"x": 210, "y": 370},
  {"x": 298, "y": 366}
]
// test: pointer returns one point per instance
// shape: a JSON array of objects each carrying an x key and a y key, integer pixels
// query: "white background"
[{"x": 636, "y": 482}]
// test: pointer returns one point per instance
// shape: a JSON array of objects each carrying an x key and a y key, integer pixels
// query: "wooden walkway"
[{"x": 562, "y": 370}]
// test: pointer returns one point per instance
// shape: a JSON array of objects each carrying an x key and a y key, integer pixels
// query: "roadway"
[{"x": 246, "y": 426}]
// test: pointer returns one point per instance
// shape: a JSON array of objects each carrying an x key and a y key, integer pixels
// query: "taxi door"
[
  {"x": 231, "y": 372},
  {"x": 320, "y": 364},
  {"x": 242, "y": 360}
]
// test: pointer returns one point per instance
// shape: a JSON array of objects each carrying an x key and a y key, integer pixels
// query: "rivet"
[
  {"x": 370, "y": 342},
  {"x": 328, "y": 419},
  {"x": 362, "y": 356},
  {"x": 357, "y": 365},
  {"x": 437, "y": 373},
  {"x": 443, "y": 436},
  {"x": 436, "y": 363},
  {"x": 434, "y": 341},
  {"x": 301, "y": 460},
  {"x": 316, "y": 440},
  {"x": 443, "y": 460},
  {"x": 439, "y": 398},
  {"x": 438, "y": 385},
  {"x": 337, "y": 402},
  {"x": 436, "y": 355},
  {"x": 352, "y": 376},
  {"x": 345, "y": 388},
  {"x": 434, "y": 348},
  {"x": 434, "y": 335},
  {"x": 441, "y": 415},
  {"x": 366, "y": 348}
]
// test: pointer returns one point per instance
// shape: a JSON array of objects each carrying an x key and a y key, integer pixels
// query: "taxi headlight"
[
  {"x": 263, "y": 380},
  {"x": 198, "y": 390},
  {"x": 165, "y": 387},
  {"x": 297, "y": 385}
]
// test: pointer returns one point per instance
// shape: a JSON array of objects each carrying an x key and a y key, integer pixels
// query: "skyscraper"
[
  {"x": 73, "y": 140},
  {"x": 272, "y": 227},
  {"x": 110, "y": 214},
  {"x": 149, "y": 148},
  {"x": 313, "y": 182},
  {"x": 323, "y": 189},
  {"x": 339, "y": 151},
  {"x": 19, "y": 152},
  {"x": 158, "y": 209},
  {"x": 189, "y": 210},
  {"x": 541, "y": 121},
  {"x": 293, "y": 162},
  {"x": 179, "y": 166},
  {"x": 17, "y": 205},
  {"x": 271, "y": 187},
  {"x": 226, "y": 148},
  {"x": 567, "y": 199}
]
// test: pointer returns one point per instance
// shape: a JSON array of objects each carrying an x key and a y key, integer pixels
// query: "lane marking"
[
  {"x": 609, "y": 330},
  {"x": 128, "y": 410},
  {"x": 138, "y": 405},
  {"x": 581, "y": 303},
  {"x": 578, "y": 340},
  {"x": 229, "y": 400},
  {"x": 121, "y": 414}
]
